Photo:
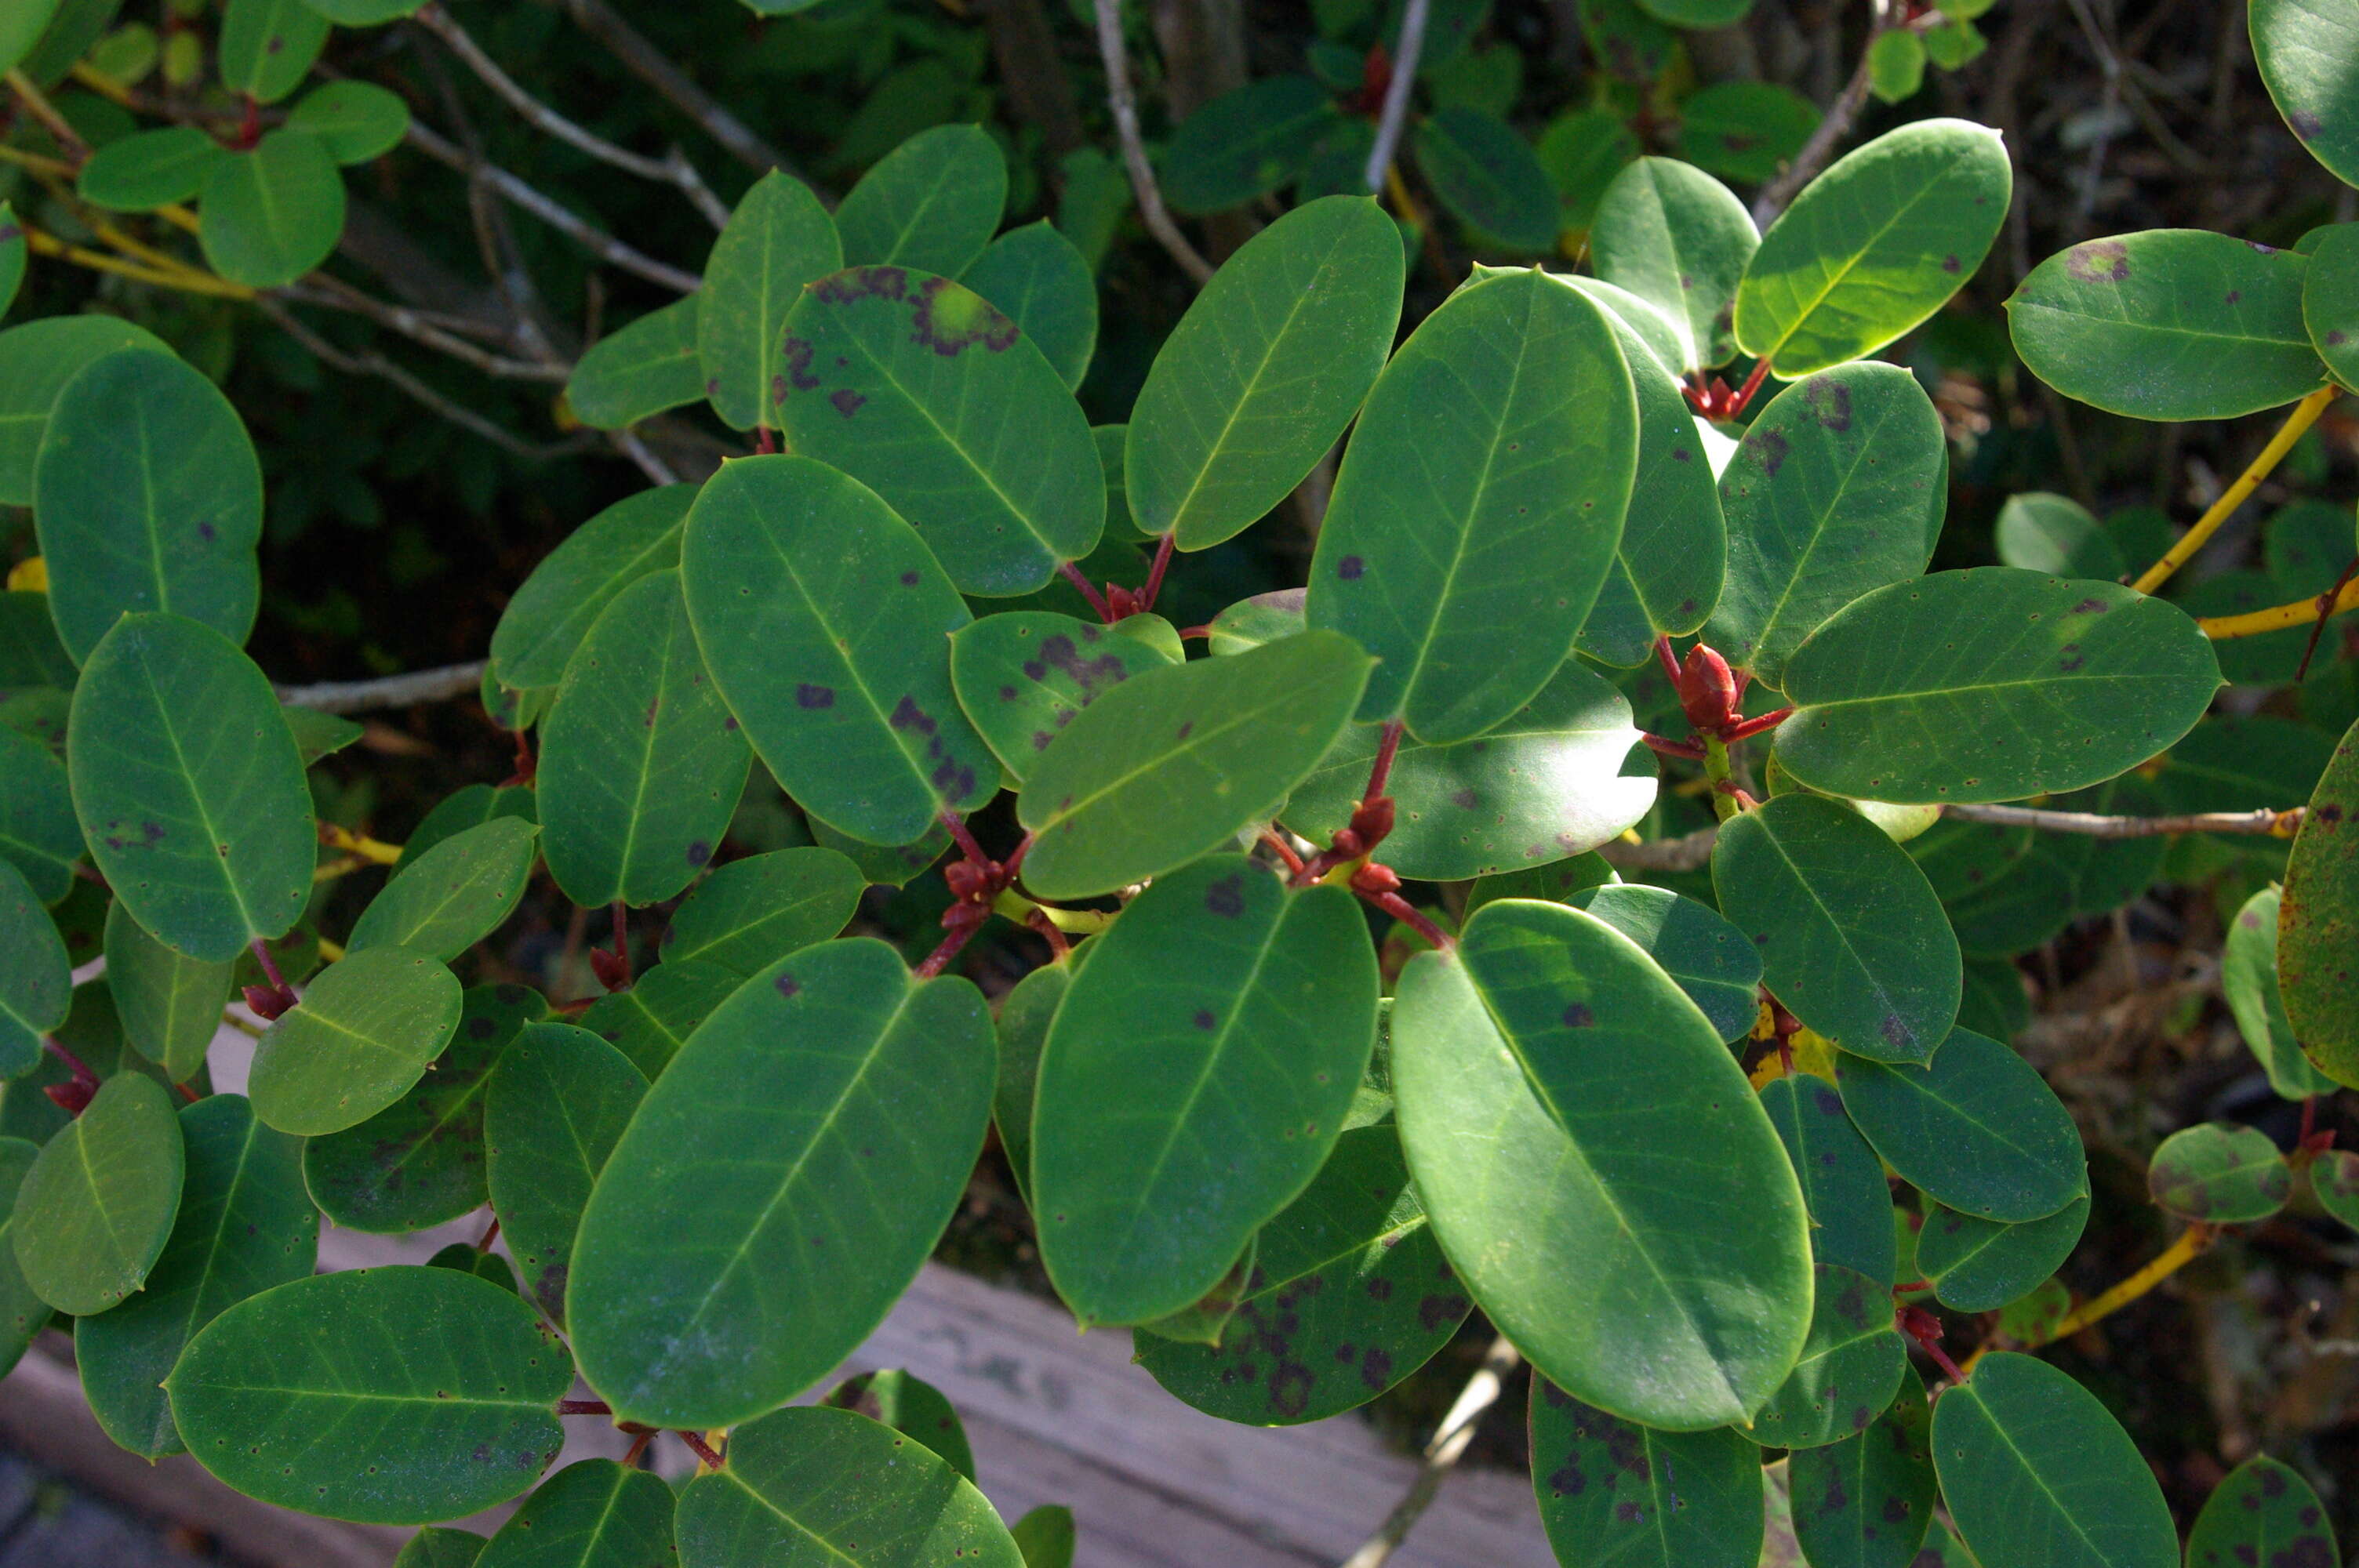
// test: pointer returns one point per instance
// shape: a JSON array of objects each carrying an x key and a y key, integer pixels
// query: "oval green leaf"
[
  {"x": 1169, "y": 765},
  {"x": 554, "y": 608},
  {"x": 1842, "y": 1181},
  {"x": 1678, "y": 239},
  {"x": 1263, "y": 370},
  {"x": 1247, "y": 143},
  {"x": 650, "y": 365},
  {"x": 917, "y": 387},
  {"x": 777, "y": 239},
  {"x": 556, "y": 1105},
  {"x": 1488, "y": 178},
  {"x": 1980, "y": 1265},
  {"x": 360, "y": 1038},
  {"x": 95, "y": 1209},
  {"x": 1850, "y": 937},
  {"x": 743, "y": 1238},
  {"x": 2317, "y": 921},
  {"x": 650, "y": 1021},
  {"x": 1035, "y": 277},
  {"x": 170, "y": 1006},
  {"x": 37, "y": 360},
  {"x": 1479, "y": 505},
  {"x": 1978, "y": 1129},
  {"x": 1231, "y": 1020},
  {"x": 1991, "y": 683},
  {"x": 595, "y": 1513},
  {"x": 824, "y": 620},
  {"x": 147, "y": 169},
  {"x": 267, "y": 46},
  {"x": 2248, "y": 976},
  {"x": 39, "y": 834},
  {"x": 1850, "y": 1367},
  {"x": 1659, "y": 1262},
  {"x": 268, "y": 216},
  {"x": 1838, "y": 488},
  {"x": 37, "y": 983},
  {"x": 2263, "y": 1512},
  {"x": 1617, "y": 1495},
  {"x": 932, "y": 203},
  {"x": 2304, "y": 49},
  {"x": 2056, "y": 534},
  {"x": 1867, "y": 1500},
  {"x": 455, "y": 895},
  {"x": 188, "y": 787},
  {"x": 2219, "y": 1174},
  {"x": 754, "y": 911},
  {"x": 386, "y": 1396},
  {"x": 911, "y": 1406},
  {"x": 1021, "y": 676},
  {"x": 358, "y": 120}
]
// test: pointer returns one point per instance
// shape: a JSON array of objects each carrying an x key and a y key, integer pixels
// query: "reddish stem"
[
  {"x": 700, "y": 1448},
  {"x": 764, "y": 443},
  {"x": 1014, "y": 861},
  {"x": 491, "y": 1234},
  {"x": 1671, "y": 661},
  {"x": 271, "y": 967},
  {"x": 1744, "y": 729},
  {"x": 2326, "y": 602},
  {"x": 1400, "y": 909},
  {"x": 1380, "y": 772},
  {"x": 1088, "y": 590},
  {"x": 1187, "y": 632},
  {"x": 1155, "y": 573},
  {"x": 1058, "y": 945},
  {"x": 1285, "y": 850},
  {"x": 1736, "y": 405},
  {"x": 939, "y": 959},
  {"x": 966, "y": 839},
  {"x": 1664, "y": 745},
  {"x": 584, "y": 1407},
  {"x": 638, "y": 1447}
]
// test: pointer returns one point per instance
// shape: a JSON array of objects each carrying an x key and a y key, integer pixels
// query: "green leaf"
[
  {"x": 1046, "y": 1537},
  {"x": 1895, "y": 65},
  {"x": 1215, "y": 975},
  {"x": 148, "y": 169},
  {"x": 36, "y": 984},
  {"x": 245, "y": 1225},
  {"x": 2304, "y": 49},
  {"x": 2056, "y": 534},
  {"x": 1022, "y": 675},
  {"x": 744, "y": 1237},
  {"x": 1866, "y": 1501},
  {"x": 2038, "y": 1473},
  {"x": 188, "y": 787},
  {"x": 2232, "y": 763},
  {"x": 1746, "y": 130},
  {"x": 268, "y": 216},
  {"x": 318, "y": 734},
  {"x": 911, "y": 1406},
  {"x": 1977, "y": 1130},
  {"x": 1250, "y": 623},
  {"x": 1349, "y": 1295},
  {"x": 1548, "y": 784},
  {"x": 37, "y": 360},
  {"x": 170, "y": 1006},
  {"x": 2307, "y": 545},
  {"x": 2334, "y": 1177},
  {"x": 1121, "y": 527},
  {"x": 358, "y": 120},
  {"x": 454, "y": 895},
  {"x": 2327, "y": 301},
  {"x": 1851, "y": 935},
  {"x": 1851, "y": 1365},
  {"x": 1265, "y": 371},
  {"x": 23, "y": 1314},
  {"x": 595, "y": 1513},
  {"x": 436, "y": 1546},
  {"x": 1699, "y": 13},
  {"x": 2248, "y": 976},
  {"x": 386, "y": 1396},
  {"x": 21, "y": 26},
  {"x": 2168, "y": 324},
  {"x": 420, "y": 1160},
  {"x": 1025, "y": 1016},
  {"x": 1838, "y": 488},
  {"x": 1479, "y": 505},
  {"x": 363, "y": 1033},
  {"x": 778, "y": 239},
  {"x": 39, "y": 834},
  {"x": 1666, "y": 575},
  {"x": 1875, "y": 246},
  {"x": 916, "y": 386},
  {"x": 1980, "y": 1265},
  {"x": 1842, "y": 1182},
  {"x": 1630, "y": 44},
  {"x": 2263, "y": 1512},
  {"x": 1614, "y": 1493},
  {"x": 555, "y": 1105},
  {"x": 2220, "y": 1175},
  {"x": 95, "y": 1209},
  {"x": 648, "y": 366},
  {"x": 470, "y": 805},
  {"x": 554, "y": 608},
  {"x": 824, "y": 620},
  {"x": 1035, "y": 277},
  {"x": 1678, "y": 239},
  {"x": 12, "y": 253},
  {"x": 641, "y": 761},
  {"x": 1169, "y": 765},
  {"x": 1991, "y": 683},
  {"x": 1582, "y": 150},
  {"x": 1658, "y": 1257},
  {"x": 932, "y": 203},
  {"x": 1246, "y": 143},
  {"x": 363, "y": 13},
  {"x": 2318, "y": 921},
  {"x": 826, "y": 1488},
  {"x": 148, "y": 497},
  {"x": 754, "y": 911},
  {"x": 1488, "y": 178},
  {"x": 266, "y": 46},
  {"x": 649, "y": 1022}
]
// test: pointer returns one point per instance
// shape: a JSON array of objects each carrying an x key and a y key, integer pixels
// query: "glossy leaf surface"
[
  {"x": 455, "y": 895},
  {"x": 824, "y": 620},
  {"x": 1842, "y": 1182},
  {"x": 743, "y": 1238},
  {"x": 554, "y": 608},
  {"x": 1678, "y": 239},
  {"x": 188, "y": 787},
  {"x": 1850, "y": 937},
  {"x": 556, "y": 1104},
  {"x": 779, "y": 239},
  {"x": 389, "y": 1396},
  {"x": 2056, "y": 534},
  {"x": 1263, "y": 370},
  {"x": 1551, "y": 1058},
  {"x": 1981, "y": 1265},
  {"x": 2304, "y": 49},
  {"x": 1704, "y": 954},
  {"x": 1612, "y": 1492},
  {"x": 95, "y": 1209},
  {"x": 1479, "y": 505},
  {"x": 1991, "y": 683},
  {"x": 1838, "y": 488},
  {"x": 932, "y": 203},
  {"x": 363, "y": 1032},
  {"x": 1021, "y": 676},
  {"x": 1978, "y": 1129}
]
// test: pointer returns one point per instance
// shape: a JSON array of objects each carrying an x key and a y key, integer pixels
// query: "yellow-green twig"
[
  {"x": 2305, "y": 414},
  {"x": 2278, "y": 617}
]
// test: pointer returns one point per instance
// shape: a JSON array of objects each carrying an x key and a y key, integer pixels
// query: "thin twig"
[
  {"x": 1815, "y": 152},
  {"x": 387, "y": 691},
  {"x": 672, "y": 169},
  {"x": 1450, "y": 1441},
  {"x": 590, "y": 237},
  {"x": 1125, "y": 105},
  {"x": 652, "y": 66},
  {"x": 2305, "y": 414},
  {"x": 319, "y": 288},
  {"x": 41, "y": 109},
  {"x": 1397, "y": 93},
  {"x": 2264, "y": 822}
]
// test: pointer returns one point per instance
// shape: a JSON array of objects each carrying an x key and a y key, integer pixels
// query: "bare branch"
[
  {"x": 1396, "y": 93},
  {"x": 596, "y": 241},
  {"x": 657, "y": 471},
  {"x": 671, "y": 169},
  {"x": 1823, "y": 141},
  {"x": 1450, "y": 1441},
  {"x": 2264, "y": 821},
  {"x": 1125, "y": 105},
  {"x": 392, "y": 691},
  {"x": 319, "y": 288}
]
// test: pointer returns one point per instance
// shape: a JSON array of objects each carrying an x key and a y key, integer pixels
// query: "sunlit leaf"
[
  {"x": 1678, "y": 239},
  {"x": 363, "y": 1034},
  {"x": 2304, "y": 49},
  {"x": 2056, "y": 534},
  {"x": 2248, "y": 977},
  {"x": 1021, "y": 676},
  {"x": 1614, "y": 1493}
]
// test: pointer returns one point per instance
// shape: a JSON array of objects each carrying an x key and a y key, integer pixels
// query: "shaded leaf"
[
  {"x": 651, "y": 364},
  {"x": 2317, "y": 921},
  {"x": 1023, "y": 675},
  {"x": 270, "y": 215},
  {"x": 2220, "y": 1175},
  {"x": 595, "y": 1513},
  {"x": 1264, "y": 618},
  {"x": 470, "y": 805},
  {"x": 1035, "y": 277},
  {"x": 23, "y": 1314},
  {"x": 1488, "y": 178},
  {"x": 753, "y": 912},
  {"x": 1244, "y": 143},
  {"x": 909, "y": 1405},
  {"x": 1981, "y": 1265},
  {"x": 1867, "y": 1500},
  {"x": 1612, "y": 1492},
  {"x": 2054, "y": 534},
  {"x": 1978, "y": 1129},
  {"x": 147, "y": 169},
  {"x": 2263, "y": 1512},
  {"x": 777, "y": 239},
  {"x": 1851, "y": 1365},
  {"x": 1046, "y": 1537},
  {"x": 170, "y": 1006},
  {"x": 358, "y": 120},
  {"x": 649, "y": 1022},
  {"x": 94, "y": 1209},
  {"x": 553, "y": 610},
  {"x": 2248, "y": 977},
  {"x": 454, "y": 895},
  {"x": 1842, "y": 1181},
  {"x": 1704, "y": 954},
  {"x": 39, "y": 834},
  {"x": 932, "y": 203},
  {"x": 1745, "y": 130},
  {"x": 437, "y": 1547},
  {"x": 37, "y": 360},
  {"x": 266, "y": 46},
  {"x": 556, "y": 1103},
  {"x": 363, "y": 1034}
]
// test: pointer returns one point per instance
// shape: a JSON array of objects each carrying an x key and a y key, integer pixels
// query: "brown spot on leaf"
[{"x": 2098, "y": 261}]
